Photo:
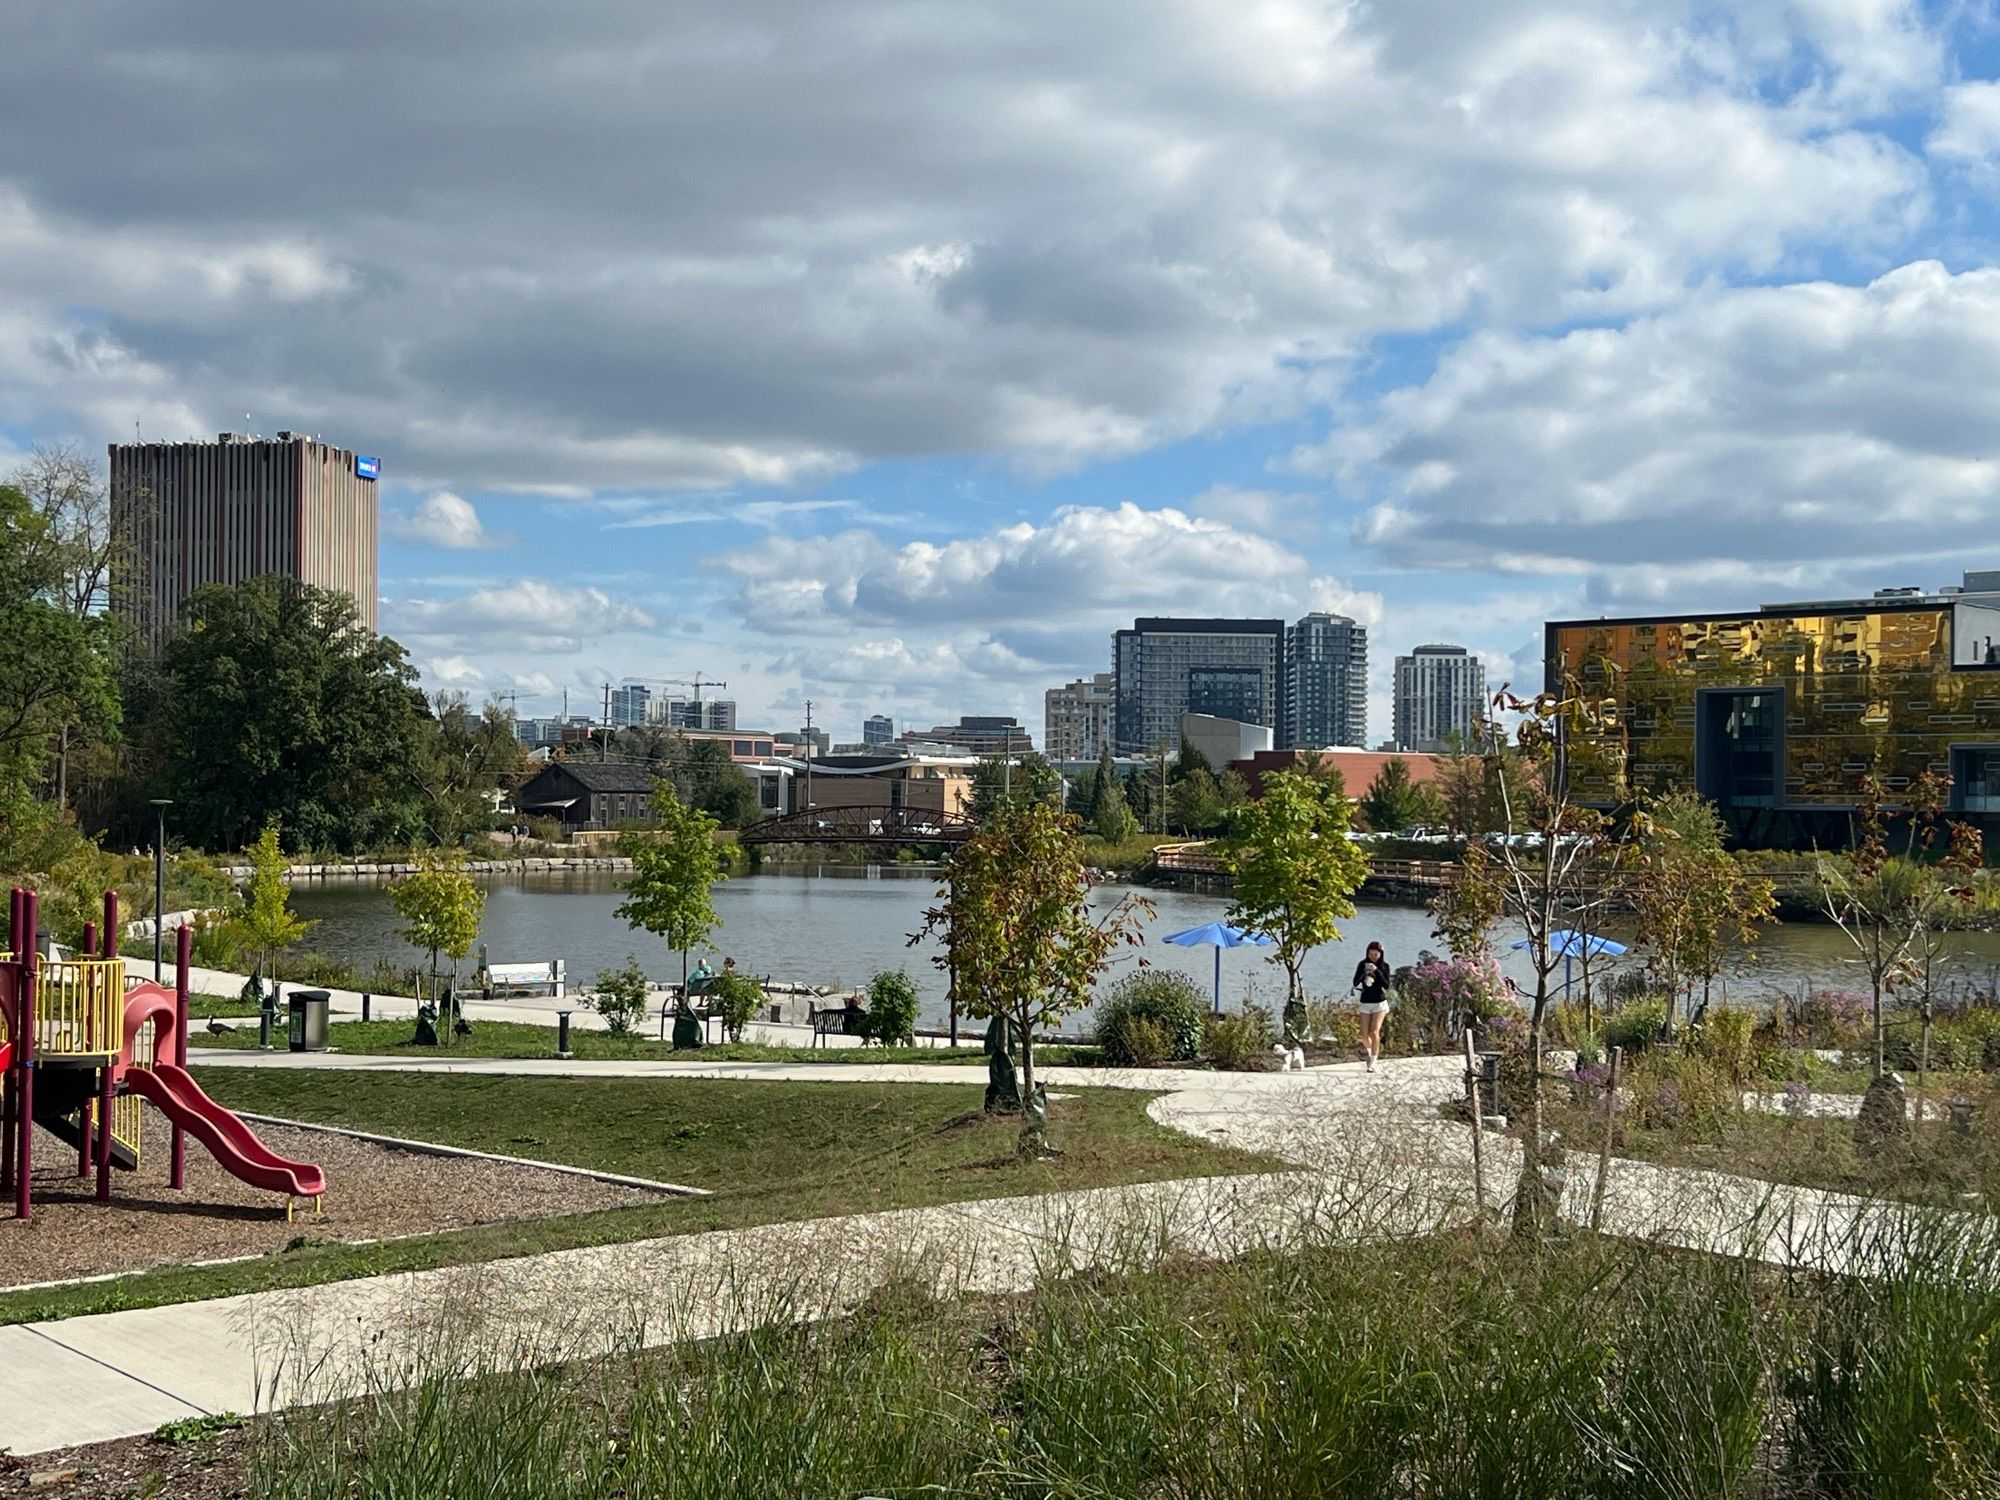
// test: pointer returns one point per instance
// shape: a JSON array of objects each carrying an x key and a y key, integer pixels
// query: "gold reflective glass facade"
[{"x": 1811, "y": 703}]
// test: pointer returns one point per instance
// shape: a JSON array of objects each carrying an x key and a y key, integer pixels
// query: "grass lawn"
[
  {"x": 769, "y": 1152},
  {"x": 508, "y": 1039}
]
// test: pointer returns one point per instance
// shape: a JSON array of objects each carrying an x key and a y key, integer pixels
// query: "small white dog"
[{"x": 1290, "y": 1059}]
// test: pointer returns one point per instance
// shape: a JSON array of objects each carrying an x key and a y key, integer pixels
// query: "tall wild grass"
[{"x": 1450, "y": 1365}]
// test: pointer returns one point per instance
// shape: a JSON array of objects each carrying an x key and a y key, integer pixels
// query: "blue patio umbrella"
[
  {"x": 1218, "y": 935},
  {"x": 1572, "y": 944}
]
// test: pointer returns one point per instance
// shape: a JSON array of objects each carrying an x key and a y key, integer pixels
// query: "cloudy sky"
[{"x": 891, "y": 353}]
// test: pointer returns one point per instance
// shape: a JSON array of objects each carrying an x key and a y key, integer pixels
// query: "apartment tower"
[
  {"x": 1440, "y": 694},
  {"x": 185, "y": 515},
  {"x": 1326, "y": 683}
]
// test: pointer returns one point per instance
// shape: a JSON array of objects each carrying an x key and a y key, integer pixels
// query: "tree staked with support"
[
  {"x": 1555, "y": 868},
  {"x": 674, "y": 866},
  {"x": 1019, "y": 936},
  {"x": 441, "y": 904},
  {"x": 1296, "y": 871}
]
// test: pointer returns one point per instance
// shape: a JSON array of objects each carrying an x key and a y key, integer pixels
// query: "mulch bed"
[
  {"x": 372, "y": 1192},
  {"x": 141, "y": 1468}
]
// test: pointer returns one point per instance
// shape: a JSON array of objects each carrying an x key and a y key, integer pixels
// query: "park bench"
[{"x": 834, "y": 1020}]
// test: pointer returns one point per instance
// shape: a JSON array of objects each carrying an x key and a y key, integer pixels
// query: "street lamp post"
[{"x": 160, "y": 806}]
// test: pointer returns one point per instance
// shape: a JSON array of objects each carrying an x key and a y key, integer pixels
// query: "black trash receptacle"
[{"x": 309, "y": 1008}]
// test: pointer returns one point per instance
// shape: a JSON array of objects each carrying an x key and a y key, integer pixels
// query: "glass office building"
[
  {"x": 1777, "y": 715},
  {"x": 1166, "y": 667}
]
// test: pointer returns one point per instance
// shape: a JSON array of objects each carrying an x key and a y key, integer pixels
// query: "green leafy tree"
[
  {"x": 56, "y": 664},
  {"x": 1296, "y": 871},
  {"x": 1113, "y": 821},
  {"x": 620, "y": 996},
  {"x": 459, "y": 760},
  {"x": 269, "y": 923},
  {"x": 441, "y": 905},
  {"x": 1394, "y": 803},
  {"x": 1190, "y": 762},
  {"x": 1020, "y": 937},
  {"x": 281, "y": 706},
  {"x": 674, "y": 869},
  {"x": 1019, "y": 782},
  {"x": 1696, "y": 904},
  {"x": 703, "y": 774},
  {"x": 1194, "y": 802},
  {"x": 1463, "y": 913}
]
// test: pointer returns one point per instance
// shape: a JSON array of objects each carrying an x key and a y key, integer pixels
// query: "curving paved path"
[{"x": 1372, "y": 1158}]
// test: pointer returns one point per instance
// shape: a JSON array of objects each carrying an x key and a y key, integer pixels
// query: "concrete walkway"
[
  {"x": 1374, "y": 1158},
  {"x": 345, "y": 1005}
]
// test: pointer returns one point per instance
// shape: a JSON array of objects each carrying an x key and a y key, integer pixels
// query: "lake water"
[{"x": 838, "y": 925}]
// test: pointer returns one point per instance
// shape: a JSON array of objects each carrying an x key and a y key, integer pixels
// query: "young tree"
[
  {"x": 1394, "y": 803},
  {"x": 441, "y": 904},
  {"x": 1695, "y": 903},
  {"x": 1296, "y": 870},
  {"x": 268, "y": 919},
  {"x": 1554, "y": 870},
  {"x": 1020, "y": 938},
  {"x": 674, "y": 868},
  {"x": 1463, "y": 913},
  {"x": 1883, "y": 903}
]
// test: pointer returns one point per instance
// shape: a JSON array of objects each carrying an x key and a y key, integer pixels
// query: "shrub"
[
  {"x": 1636, "y": 1025},
  {"x": 734, "y": 998},
  {"x": 1240, "y": 1041},
  {"x": 1723, "y": 1041},
  {"x": 1145, "y": 1042},
  {"x": 620, "y": 997},
  {"x": 1439, "y": 988},
  {"x": 1678, "y": 1091},
  {"x": 218, "y": 944},
  {"x": 1826, "y": 1018},
  {"x": 892, "y": 1009},
  {"x": 1172, "y": 1002}
]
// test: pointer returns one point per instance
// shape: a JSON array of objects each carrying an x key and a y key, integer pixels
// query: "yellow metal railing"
[
  {"x": 128, "y": 1110},
  {"x": 79, "y": 1007}
]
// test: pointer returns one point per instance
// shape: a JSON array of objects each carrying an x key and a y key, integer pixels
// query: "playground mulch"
[{"x": 374, "y": 1192}]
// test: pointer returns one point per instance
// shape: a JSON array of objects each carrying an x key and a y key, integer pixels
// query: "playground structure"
[{"x": 82, "y": 1046}]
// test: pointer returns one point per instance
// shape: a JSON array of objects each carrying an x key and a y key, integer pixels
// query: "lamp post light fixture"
[{"x": 160, "y": 806}]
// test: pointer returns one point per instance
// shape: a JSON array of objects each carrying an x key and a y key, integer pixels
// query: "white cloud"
[
  {"x": 525, "y": 614},
  {"x": 1017, "y": 229},
  {"x": 453, "y": 671},
  {"x": 1810, "y": 424},
  {"x": 443, "y": 520},
  {"x": 1083, "y": 565},
  {"x": 1969, "y": 127}
]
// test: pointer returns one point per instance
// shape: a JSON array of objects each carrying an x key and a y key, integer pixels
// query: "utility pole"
[
  {"x": 808, "y": 749},
  {"x": 604, "y": 745}
]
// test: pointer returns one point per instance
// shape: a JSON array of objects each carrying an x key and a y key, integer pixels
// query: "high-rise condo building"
[
  {"x": 630, "y": 705},
  {"x": 189, "y": 514},
  {"x": 878, "y": 729},
  {"x": 1076, "y": 718},
  {"x": 1326, "y": 683},
  {"x": 1164, "y": 667},
  {"x": 718, "y": 714},
  {"x": 1440, "y": 695},
  {"x": 980, "y": 734}
]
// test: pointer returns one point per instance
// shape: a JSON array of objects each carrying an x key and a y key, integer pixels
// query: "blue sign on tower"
[{"x": 367, "y": 467}]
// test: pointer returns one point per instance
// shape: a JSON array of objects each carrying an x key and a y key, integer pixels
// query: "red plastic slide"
[{"x": 176, "y": 1095}]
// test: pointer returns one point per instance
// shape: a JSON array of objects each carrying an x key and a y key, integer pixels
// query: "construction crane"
[{"x": 697, "y": 682}]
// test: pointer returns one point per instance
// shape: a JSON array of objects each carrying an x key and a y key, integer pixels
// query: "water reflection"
[{"x": 837, "y": 925}]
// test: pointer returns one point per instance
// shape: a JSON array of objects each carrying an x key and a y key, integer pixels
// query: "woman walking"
[{"x": 1371, "y": 985}]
